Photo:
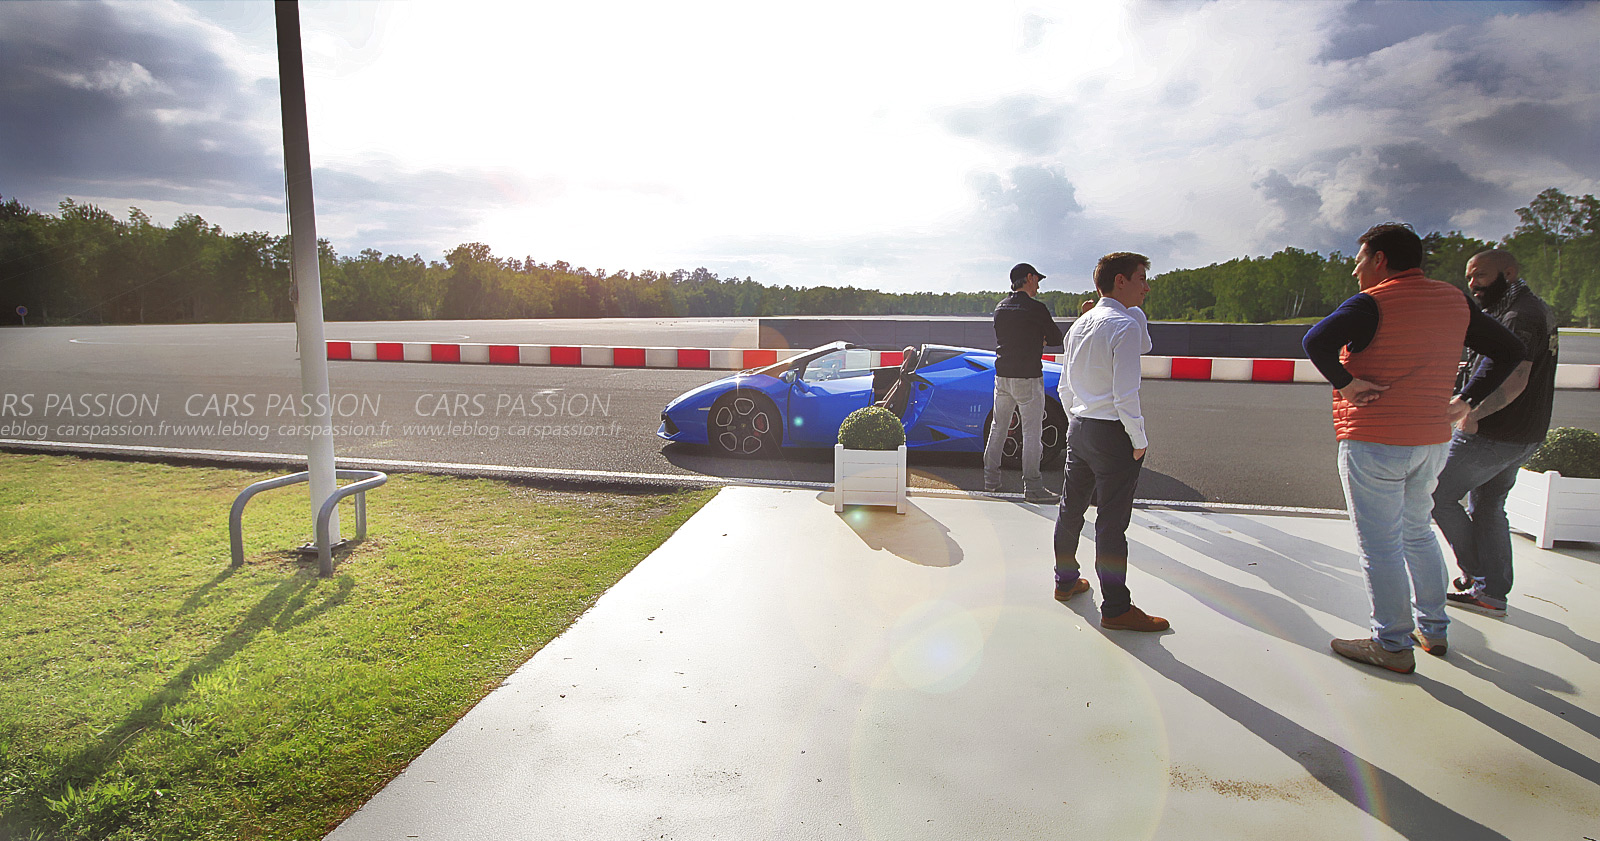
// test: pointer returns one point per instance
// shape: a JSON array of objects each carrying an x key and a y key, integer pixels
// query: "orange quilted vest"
[{"x": 1422, "y": 325}]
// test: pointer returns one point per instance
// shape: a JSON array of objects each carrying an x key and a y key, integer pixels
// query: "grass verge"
[{"x": 148, "y": 691}]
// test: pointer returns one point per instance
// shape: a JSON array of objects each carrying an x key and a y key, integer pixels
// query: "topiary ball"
[
  {"x": 1570, "y": 451},
  {"x": 872, "y": 428}
]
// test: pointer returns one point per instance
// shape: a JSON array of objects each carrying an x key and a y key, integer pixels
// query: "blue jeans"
[
  {"x": 1482, "y": 470},
  {"x": 1389, "y": 490}
]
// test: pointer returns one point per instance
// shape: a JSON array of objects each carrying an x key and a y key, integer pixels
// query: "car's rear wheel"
[
  {"x": 1053, "y": 436},
  {"x": 745, "y": 424}
]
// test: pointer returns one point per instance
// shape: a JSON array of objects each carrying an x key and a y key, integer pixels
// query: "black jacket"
[
  {"x": 1527, "y": 419},
  {"x": 1023, "y": 328}
]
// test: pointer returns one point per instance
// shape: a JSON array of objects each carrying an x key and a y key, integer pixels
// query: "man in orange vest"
[{"x": 1391, "y": 352}]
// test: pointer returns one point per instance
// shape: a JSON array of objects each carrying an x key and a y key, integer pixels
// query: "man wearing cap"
[{"x": 1023, "y": 328}]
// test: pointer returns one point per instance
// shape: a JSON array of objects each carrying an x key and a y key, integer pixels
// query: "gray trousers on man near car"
[{"x": 1025, "y": 396}]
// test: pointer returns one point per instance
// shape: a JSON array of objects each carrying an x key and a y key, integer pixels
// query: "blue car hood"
[{"x": 717, "y": 386}]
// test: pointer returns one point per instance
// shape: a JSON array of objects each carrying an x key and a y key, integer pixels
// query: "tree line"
[
  {"x": 85, "y": 266},
  {"x": 1557, "y": 241}
]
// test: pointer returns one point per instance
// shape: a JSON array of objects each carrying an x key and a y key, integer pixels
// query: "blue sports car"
[{"x": 946, "y": 403}]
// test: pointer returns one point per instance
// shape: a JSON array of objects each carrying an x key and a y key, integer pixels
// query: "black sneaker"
[
  {"x": 1436, "y": 646},
  {"x": 1471, "y": 601}
]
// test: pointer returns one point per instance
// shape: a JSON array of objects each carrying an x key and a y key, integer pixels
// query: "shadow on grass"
[
  {"x": 290, "y": 603},
  {"x": 195, "y": 599}
]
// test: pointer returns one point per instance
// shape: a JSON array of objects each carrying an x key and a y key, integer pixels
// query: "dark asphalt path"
[{"x": 232, "y": 387}]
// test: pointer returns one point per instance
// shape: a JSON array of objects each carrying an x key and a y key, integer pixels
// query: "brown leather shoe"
[
  {"x": 1134, "y": 620},
  {"x": 1078, "y": 587}
]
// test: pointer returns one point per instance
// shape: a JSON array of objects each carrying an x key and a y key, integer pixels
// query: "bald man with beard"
[{"x": 1493, "y": 441}]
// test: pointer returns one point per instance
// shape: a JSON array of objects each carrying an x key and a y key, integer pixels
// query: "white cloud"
[
  {"x": 896, "y": 144},
  {"x": 125, "y": 78}
]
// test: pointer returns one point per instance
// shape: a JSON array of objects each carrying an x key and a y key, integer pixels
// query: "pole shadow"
[{"x": 281, "y": 609}]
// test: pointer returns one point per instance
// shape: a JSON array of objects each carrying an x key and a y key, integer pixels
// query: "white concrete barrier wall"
[
  {"x": 1577, "y": 376},
  {"x": 1233, "y": 370}
]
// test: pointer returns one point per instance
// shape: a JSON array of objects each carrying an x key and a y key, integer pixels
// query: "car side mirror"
[{"x": 788, "y": 376}]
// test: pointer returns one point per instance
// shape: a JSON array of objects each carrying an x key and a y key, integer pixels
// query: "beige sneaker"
[
  {"x": 1433, "y": 645},
  {"x": 1369, "y": 651}
]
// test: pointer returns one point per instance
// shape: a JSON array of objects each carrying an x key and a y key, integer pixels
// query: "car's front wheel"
[{"x": 745, "y": 424}]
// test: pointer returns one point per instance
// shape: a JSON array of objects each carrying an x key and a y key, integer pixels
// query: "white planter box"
[
  {"x": 869, "y": 477},
  {"x": 1551, "y": 507}
]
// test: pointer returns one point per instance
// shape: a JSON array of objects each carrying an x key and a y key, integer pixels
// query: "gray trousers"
[
  {"x": 1100, "y": 464},
  {"x": 1025, "y": 396}
]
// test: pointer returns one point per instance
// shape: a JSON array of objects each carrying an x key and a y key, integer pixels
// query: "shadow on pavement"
[
  {"x": 1399, "y": 805},
  {"x": 1552, "y": 750},
  {"x": 913, "y": 536},
  {"x": 1307, "y": 574},
  {"x": 1551, "y": 629},
  {"x": 963, "y": 471},
  {"x": 1471, "y": 652}
]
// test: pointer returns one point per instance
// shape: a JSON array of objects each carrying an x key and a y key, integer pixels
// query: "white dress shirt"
[{"x": 1100, "y": 376}]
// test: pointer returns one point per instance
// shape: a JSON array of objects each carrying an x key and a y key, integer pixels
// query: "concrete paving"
[{"x": 775, "y": 670}]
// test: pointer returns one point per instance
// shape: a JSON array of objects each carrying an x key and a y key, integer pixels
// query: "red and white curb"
[
  {"x": 586, "y": 356},
  {"x": 1200, "y": 368}
]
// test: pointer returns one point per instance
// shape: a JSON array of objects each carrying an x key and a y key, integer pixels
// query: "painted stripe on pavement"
[{"x": 508, "y": 470}]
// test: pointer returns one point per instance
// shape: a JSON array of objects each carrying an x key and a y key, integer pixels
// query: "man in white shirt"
[{"x": 1105, "y": 438}]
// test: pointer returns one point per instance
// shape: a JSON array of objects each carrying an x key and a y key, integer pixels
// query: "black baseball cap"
[{"x": 1020, "y": 272}]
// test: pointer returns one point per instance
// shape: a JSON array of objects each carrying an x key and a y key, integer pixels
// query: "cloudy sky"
[{"x": 892, "y": 145}]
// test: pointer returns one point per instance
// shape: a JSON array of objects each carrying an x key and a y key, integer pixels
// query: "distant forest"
[{"x": 85, "y": 266}]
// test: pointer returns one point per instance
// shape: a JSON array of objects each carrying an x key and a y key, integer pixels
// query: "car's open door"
[{"x": 826, "y": 390}]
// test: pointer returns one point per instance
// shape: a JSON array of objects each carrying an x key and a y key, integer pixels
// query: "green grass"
[{"x": 149, "y": 691}]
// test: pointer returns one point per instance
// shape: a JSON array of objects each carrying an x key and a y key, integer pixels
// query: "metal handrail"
[{"x": 368, "y": 479}]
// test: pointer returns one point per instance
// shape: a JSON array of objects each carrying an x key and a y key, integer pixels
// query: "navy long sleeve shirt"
[{"x": 1355, "y": 322}]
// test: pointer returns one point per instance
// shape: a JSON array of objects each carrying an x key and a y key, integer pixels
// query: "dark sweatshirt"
[{"x": 1023, "y": 328}]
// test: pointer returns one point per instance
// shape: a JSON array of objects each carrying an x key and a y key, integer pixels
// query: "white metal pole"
[{"x": 307, "y": 277}]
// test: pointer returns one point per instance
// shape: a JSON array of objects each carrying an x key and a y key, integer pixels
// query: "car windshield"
[
  {"x": 777, "y": 369},
  {"x": 838, "y": 365}
]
